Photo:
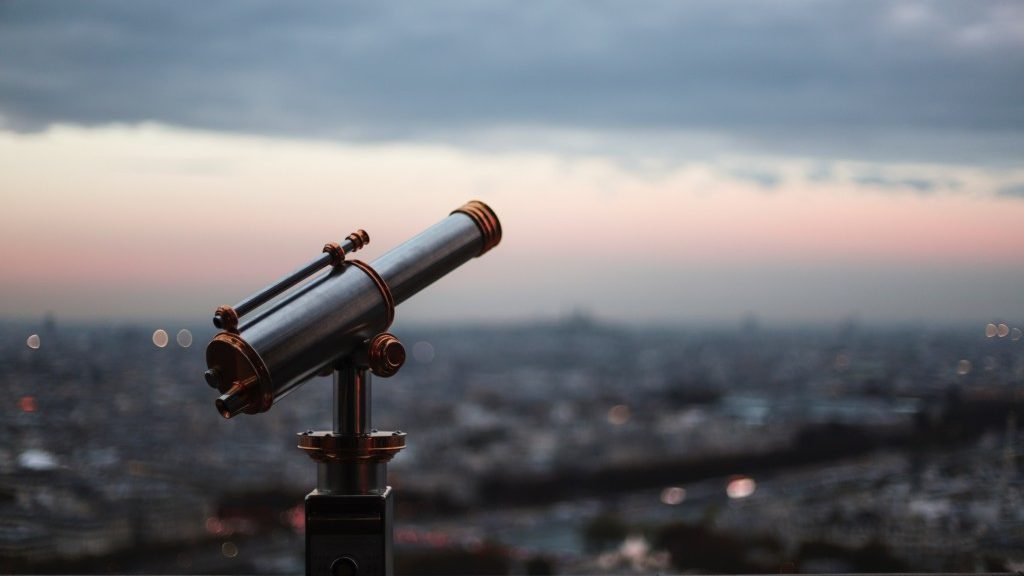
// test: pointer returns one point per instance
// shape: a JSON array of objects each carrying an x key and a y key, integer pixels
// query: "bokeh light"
[
  {"x": 991, "y": 330},
  {"x": 740, "y": 487},
  {"x": 673, "y": 495},
  {"x": 963, "y": 367},
  {"x": 160, "y": 338},
  {"x": 229, "y": 550},
  {"x": 1002, "y": 330},
  {"x": 214, "y": 525},
  {"x": 990, "y": 363},
  {"x": 423, "y": 352},
  {"x": 1016, "y": 334},
  {"x": 27, "y": 404},
  {"x": 618, "y": 415},
  {"x": 33, "y": 342},
  {"x": 184, "y": 338}
]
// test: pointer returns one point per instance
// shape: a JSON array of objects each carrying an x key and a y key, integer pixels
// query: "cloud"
[
  {"x": 767, "y": 179},
  {"x": 876, "y": 176},
  {"x": 821, "y": 172},
  {"x": 1012, "y": 191},
  {"x": 857, "y": 79},
  {"x": 921, "y": 185}
]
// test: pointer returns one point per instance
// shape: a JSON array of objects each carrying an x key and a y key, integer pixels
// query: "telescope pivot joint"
[
  {"x": 353, "y": 440},
  {"x": 383, "y": 354}
]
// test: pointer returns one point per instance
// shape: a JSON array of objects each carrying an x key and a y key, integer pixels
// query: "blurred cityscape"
[{"x": 564, "y": 447}]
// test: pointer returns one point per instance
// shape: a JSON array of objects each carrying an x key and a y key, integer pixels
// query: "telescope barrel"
[
  {"x": 436, "y": 251},
  {"x": 275, "y": 350}
]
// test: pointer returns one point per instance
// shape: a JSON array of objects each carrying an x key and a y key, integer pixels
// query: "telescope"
[{"x": 315, "y": 322}]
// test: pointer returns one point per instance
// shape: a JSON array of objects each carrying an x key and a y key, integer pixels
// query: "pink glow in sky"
[{"x": 153, "y": 221}]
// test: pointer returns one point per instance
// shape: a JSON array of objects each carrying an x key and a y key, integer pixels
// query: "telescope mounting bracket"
[
  {"x": 352, "y": 439},
  {"x": 350, "y": 514}
]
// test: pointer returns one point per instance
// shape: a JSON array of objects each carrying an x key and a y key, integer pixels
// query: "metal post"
[
  {"x": 352, "y": 398},
  {"x": 349, "y": 517}
]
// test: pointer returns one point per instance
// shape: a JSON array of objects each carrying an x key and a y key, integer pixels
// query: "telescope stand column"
[{"x": 350, "y": 514}]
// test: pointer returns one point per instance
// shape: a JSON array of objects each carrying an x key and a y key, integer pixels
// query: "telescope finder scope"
[{"x": 269, "y": 347}]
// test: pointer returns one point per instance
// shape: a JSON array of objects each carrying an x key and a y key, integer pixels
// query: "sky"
[{"x": 651, "y": 162}]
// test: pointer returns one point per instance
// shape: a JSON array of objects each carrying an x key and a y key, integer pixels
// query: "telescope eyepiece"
[{"x": 231, "y": 404}]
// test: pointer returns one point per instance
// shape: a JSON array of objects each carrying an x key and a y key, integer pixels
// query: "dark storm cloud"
[{"x": 901, "y": 81}]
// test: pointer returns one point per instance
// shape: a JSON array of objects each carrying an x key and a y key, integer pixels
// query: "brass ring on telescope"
[
  {"x": 486, "y": 220},
  {"x": 382, "y": 286},
  {"x": 337, "y": 254}
]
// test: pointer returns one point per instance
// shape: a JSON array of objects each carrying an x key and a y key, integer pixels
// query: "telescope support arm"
[{"x": 350, "y": 515}]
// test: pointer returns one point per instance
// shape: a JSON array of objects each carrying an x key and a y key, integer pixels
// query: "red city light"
[{"x": 27, "y": 404}]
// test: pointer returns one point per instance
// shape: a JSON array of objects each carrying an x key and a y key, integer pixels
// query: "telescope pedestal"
[
  {"x": 349, "y": 516},
  {"x": 349, "y": 534}
]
